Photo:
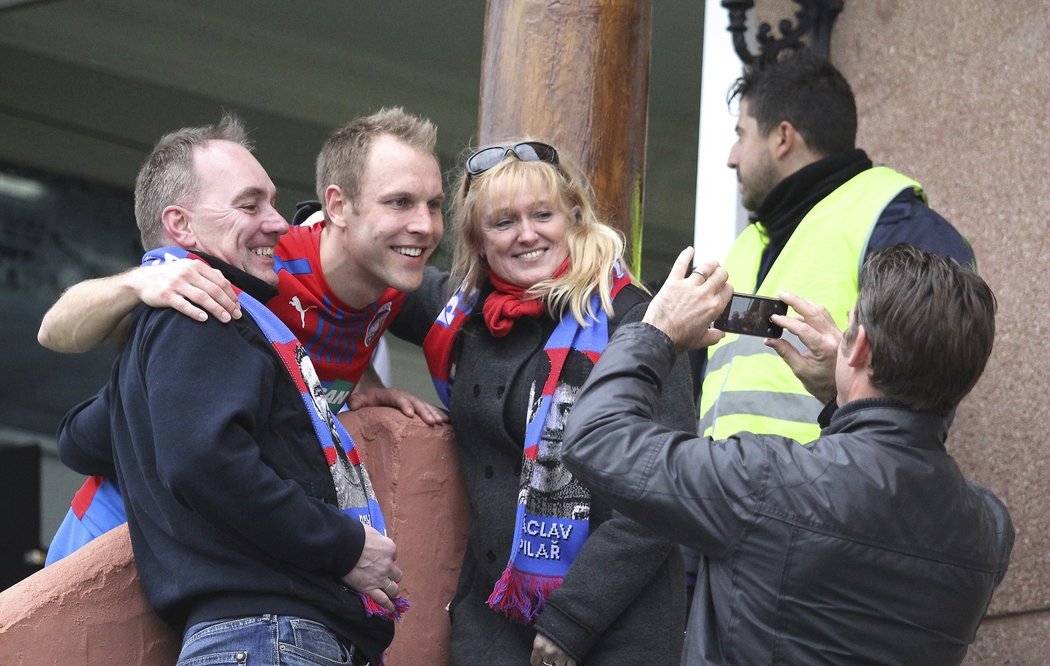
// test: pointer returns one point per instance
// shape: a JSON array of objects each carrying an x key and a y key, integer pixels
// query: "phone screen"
[{"x": 748, "y": 314}]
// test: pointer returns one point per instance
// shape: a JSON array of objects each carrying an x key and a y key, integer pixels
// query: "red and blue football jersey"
[{"x": 339, "y": 339}]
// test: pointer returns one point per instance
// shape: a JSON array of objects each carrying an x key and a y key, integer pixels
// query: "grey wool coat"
[{"x": 623, "y": 600}]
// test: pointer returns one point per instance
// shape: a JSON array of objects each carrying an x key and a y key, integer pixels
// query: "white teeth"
[
  {"x": 530, "y": 255},
  {"x": 263, "y": 251},
  {"x": 409, "y": 251}
]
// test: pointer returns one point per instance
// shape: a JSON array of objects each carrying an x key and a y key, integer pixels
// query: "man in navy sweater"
[{"x": 242, "y": 531}]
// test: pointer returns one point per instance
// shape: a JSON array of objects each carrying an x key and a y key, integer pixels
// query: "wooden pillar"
[{"x": 575, "y": 73}]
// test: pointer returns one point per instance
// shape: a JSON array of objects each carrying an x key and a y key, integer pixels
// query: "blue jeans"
[{"x": 270, "y": 640}]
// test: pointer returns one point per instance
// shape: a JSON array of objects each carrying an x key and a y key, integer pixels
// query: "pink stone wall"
[
  {"x": 89, "y": 609},
  {"x": 86, "y": 609},
  {"x": 415, "y": 471},
  {"x": 955, "y": 93}
]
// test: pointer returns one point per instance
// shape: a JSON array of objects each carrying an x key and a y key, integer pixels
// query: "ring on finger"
[{"x": 700, "y": 273}]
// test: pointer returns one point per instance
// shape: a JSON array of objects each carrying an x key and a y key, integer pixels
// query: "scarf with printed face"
[
  {"x": 552, "y": 520},
  {"x": 353, "y": 488}
]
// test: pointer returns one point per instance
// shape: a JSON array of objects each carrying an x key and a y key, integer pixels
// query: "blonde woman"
[{"x": 550, "y": 576}]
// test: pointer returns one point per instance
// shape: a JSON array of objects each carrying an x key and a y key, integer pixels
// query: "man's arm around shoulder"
[{"x": 97, "y": 311}]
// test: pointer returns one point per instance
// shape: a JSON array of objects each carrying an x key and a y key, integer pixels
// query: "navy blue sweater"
[{"x": 231, "y": 507}]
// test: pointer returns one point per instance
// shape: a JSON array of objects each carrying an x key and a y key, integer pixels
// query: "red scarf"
[{"x": 506, "y": 304}]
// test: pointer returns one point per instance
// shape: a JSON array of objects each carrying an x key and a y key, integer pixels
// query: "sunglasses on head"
[{"x": 526, "y": 151}]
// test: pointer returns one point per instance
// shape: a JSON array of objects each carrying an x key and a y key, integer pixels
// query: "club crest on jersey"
[{"x": 376, "y": 325}]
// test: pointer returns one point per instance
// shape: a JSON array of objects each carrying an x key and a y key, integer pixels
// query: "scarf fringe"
[
  {"x": 521, "y": 596},
  {"x": 373, "y": 609}
]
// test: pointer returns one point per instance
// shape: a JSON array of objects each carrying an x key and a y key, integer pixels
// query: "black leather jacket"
[{"x": 867, "y": 546}]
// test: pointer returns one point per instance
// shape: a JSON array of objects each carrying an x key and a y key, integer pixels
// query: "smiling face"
[
  {"x": 232, "y": 216},
  {"x": 523, "y": 234},
  {"x": 752, "y": 158},
  {"x": 395, "y": 223}
]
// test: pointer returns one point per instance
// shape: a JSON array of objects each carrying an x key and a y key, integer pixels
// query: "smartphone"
[{"x": 748, "y": 314}]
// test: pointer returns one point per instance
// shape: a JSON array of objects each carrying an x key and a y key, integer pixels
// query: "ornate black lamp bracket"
[{"x": 813, "y": 20}]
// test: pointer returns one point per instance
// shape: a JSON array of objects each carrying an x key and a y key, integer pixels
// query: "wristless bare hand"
[
  {"x": 817, "y": 330},
  {"x": 375, "y": 575},
  {"x": 689, "y": 301}
]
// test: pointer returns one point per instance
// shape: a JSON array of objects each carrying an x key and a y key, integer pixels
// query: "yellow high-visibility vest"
[{"x": 747, "y": 386}]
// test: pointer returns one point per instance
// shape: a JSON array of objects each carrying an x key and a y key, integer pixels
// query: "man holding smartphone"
[
  {"x": 819, "y": 208},
  {"x": 867, "y": 545}
]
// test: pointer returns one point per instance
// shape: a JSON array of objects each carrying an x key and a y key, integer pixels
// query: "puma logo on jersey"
[{"x": 298, "y": 305}]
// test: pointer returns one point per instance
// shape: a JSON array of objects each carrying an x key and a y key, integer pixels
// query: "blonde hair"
[
  {"x": 593, "y": 246},
  {"x": 344, "y": 155}
]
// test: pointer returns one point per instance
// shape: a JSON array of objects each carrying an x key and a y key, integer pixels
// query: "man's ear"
[
  {"x": 858, "y": 354},
  {"x": 176, "y": 223},
  {"x": 785, "y": 138},
  {"x": 336, "y": 206}
]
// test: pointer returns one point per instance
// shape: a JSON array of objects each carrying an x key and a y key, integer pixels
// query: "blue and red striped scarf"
[
  {"x": 353, "y": 487},
  {"x": 552, "y": 520}
]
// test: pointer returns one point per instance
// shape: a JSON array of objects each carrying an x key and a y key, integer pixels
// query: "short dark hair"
[
  {"x": 807, "y": 91},
  {"x": 930, "y": 322},
  {"x": 167, "y": 177}
]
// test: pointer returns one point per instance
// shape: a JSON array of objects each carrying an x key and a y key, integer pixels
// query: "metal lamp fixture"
[{"x": 813, "y": 21}]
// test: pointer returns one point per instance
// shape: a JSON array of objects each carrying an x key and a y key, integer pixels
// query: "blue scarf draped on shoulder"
[
  {"x": 353, "y": 487},
  {"x": 552, "y": 519}
]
